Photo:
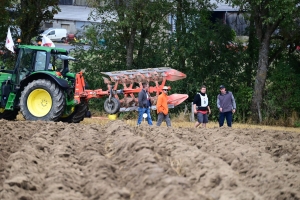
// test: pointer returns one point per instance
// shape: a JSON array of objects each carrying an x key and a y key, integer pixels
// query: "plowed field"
[{"x": 53, "y": 161}]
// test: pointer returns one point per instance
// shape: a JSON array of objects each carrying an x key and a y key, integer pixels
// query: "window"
[
  {"x": 51, "y": 33},
  {"x": 24, "y": 64},
  {"x": 40, "y": 62}
]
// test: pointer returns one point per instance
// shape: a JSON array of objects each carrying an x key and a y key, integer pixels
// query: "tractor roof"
[{"x": 43, "y": 48}]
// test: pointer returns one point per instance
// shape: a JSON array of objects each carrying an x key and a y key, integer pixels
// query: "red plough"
[{"x": 122, "y": 96}]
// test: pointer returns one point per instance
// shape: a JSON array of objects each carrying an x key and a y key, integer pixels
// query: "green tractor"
[{"x": 41, "y": 87}]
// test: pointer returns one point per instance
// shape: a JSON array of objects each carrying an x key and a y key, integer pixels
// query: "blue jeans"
[
  {"x": 141, "y": 112},
  {"x": 228, "y": 116}
]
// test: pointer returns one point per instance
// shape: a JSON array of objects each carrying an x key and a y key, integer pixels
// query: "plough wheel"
[{"x": 112, "y": 106}]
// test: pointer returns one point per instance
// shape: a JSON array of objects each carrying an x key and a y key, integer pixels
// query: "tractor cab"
[
  {"x": 33, "y": 59},
  {"x": 60, "y": 63}
]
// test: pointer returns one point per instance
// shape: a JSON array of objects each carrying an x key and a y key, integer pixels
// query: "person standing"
[
  {"x": 201, "y": 107},
  {"x": 162, "y": 107},
  {"x": 226, "y": 105},
  {"x": 144, "y": 104}
]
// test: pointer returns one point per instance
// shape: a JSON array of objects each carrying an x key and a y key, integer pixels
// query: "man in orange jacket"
[{"x": 162, "y": 108}]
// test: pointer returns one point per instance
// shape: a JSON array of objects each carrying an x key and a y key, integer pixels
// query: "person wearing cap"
[
  {"x": 226, "y": 105},
  {"x": 162, "y": 107},
  {"x": 201, "y": 107},
  {"x": 144, "y": 104}
]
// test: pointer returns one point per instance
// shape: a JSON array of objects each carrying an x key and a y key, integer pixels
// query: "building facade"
[{"x": 74, "y": 16}]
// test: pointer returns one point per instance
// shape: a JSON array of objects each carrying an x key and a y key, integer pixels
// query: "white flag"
[
  {"x": 47, "y": 42},
  {"x": 9, "y": 44}
]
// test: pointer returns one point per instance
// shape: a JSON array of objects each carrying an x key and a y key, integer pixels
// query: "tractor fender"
[{"x": 43, "y": 75}]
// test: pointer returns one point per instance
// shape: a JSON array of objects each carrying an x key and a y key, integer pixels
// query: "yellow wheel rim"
[
  {"x": 2, "y": 110},
  {"x": 39, "y": 102}
]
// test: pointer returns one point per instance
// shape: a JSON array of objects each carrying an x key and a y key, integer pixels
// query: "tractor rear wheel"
[
  {"x": 42, "y": 100},
  {"x": 78, "y": 114},
  {"x": 9, "y": 114},
  {"x": 112, "y": 106}
]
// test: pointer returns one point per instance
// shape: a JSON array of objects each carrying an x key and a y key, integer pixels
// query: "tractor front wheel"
[
  {"x": 112, "y": 106},
  {"x": 42, "y": 100}
]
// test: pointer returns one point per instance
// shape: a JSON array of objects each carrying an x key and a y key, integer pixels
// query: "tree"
[
  {"x": 132, "y": 23},
  {"x": 29, "y": 15},
  {"x": 197, "y": 47},
  {"x": 268, "y": 17},
  {"x": 5, "y": 18}
]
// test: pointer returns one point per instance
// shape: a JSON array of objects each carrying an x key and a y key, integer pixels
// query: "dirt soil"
[{"x": 53, "y": 161}]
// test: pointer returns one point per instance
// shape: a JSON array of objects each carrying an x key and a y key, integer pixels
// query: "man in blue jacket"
[
  {"x": 226, "y": 105},
  {"x": 144, "y": 104}
]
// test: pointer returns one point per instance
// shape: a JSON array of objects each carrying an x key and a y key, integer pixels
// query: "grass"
[
  {"x": 182, "y": 124},
  {"x": 186, "y": 124}
]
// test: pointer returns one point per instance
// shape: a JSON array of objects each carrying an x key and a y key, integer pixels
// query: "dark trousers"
[
  {"x": 228, "y": 116},
  {"x": 162, "y": 117}
]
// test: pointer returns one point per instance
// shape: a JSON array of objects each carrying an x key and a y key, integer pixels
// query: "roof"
[
  {"x": 74, "y": 13},
  {"x": 81, "y": 13},
  {"x": 78, "y": 13},
  {"x": 42, "y": 48}
]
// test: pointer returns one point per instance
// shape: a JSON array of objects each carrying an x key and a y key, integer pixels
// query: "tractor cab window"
[
  {"x": 40, "y": 61},
  {"x": 24, "y": 64},
  {"x": 61, "y": 62}
]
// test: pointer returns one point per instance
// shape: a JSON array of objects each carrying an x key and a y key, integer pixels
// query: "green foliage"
[
  {"x": 297, "y": 124},
  {"x": 8, "y": 60},
  {"x": 282, "y": 96},
  {"x": 30, "y": 14},
  {"x": 243, "y": 97},
  {"x": 273, "y": 20},
  {"x": 25, "y": 17},
  {"x": 205, "y": 52},
  {"x": 131, "y": 27},
  {"x": 5, "y": 21},
  {"x": 204, "y": 47}
]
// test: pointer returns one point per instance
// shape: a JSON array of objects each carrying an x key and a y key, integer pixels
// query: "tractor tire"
[
  {"x": 9, "y": 114},
  {"x": 113, "y": 106},
  {"x": 42, "y": 100},
  {"x": 88, "y": 114},
  {"x": 78, "y": 114}
]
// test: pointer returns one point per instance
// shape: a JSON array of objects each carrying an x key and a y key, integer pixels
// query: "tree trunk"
[
  {"x": 143, "y": 37},
  {"x": 260, "y": 79},
  {"x": 181, "y": 32},
  {"x": 252, "y": 54},
  {"x": 130, "y": 48}
]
